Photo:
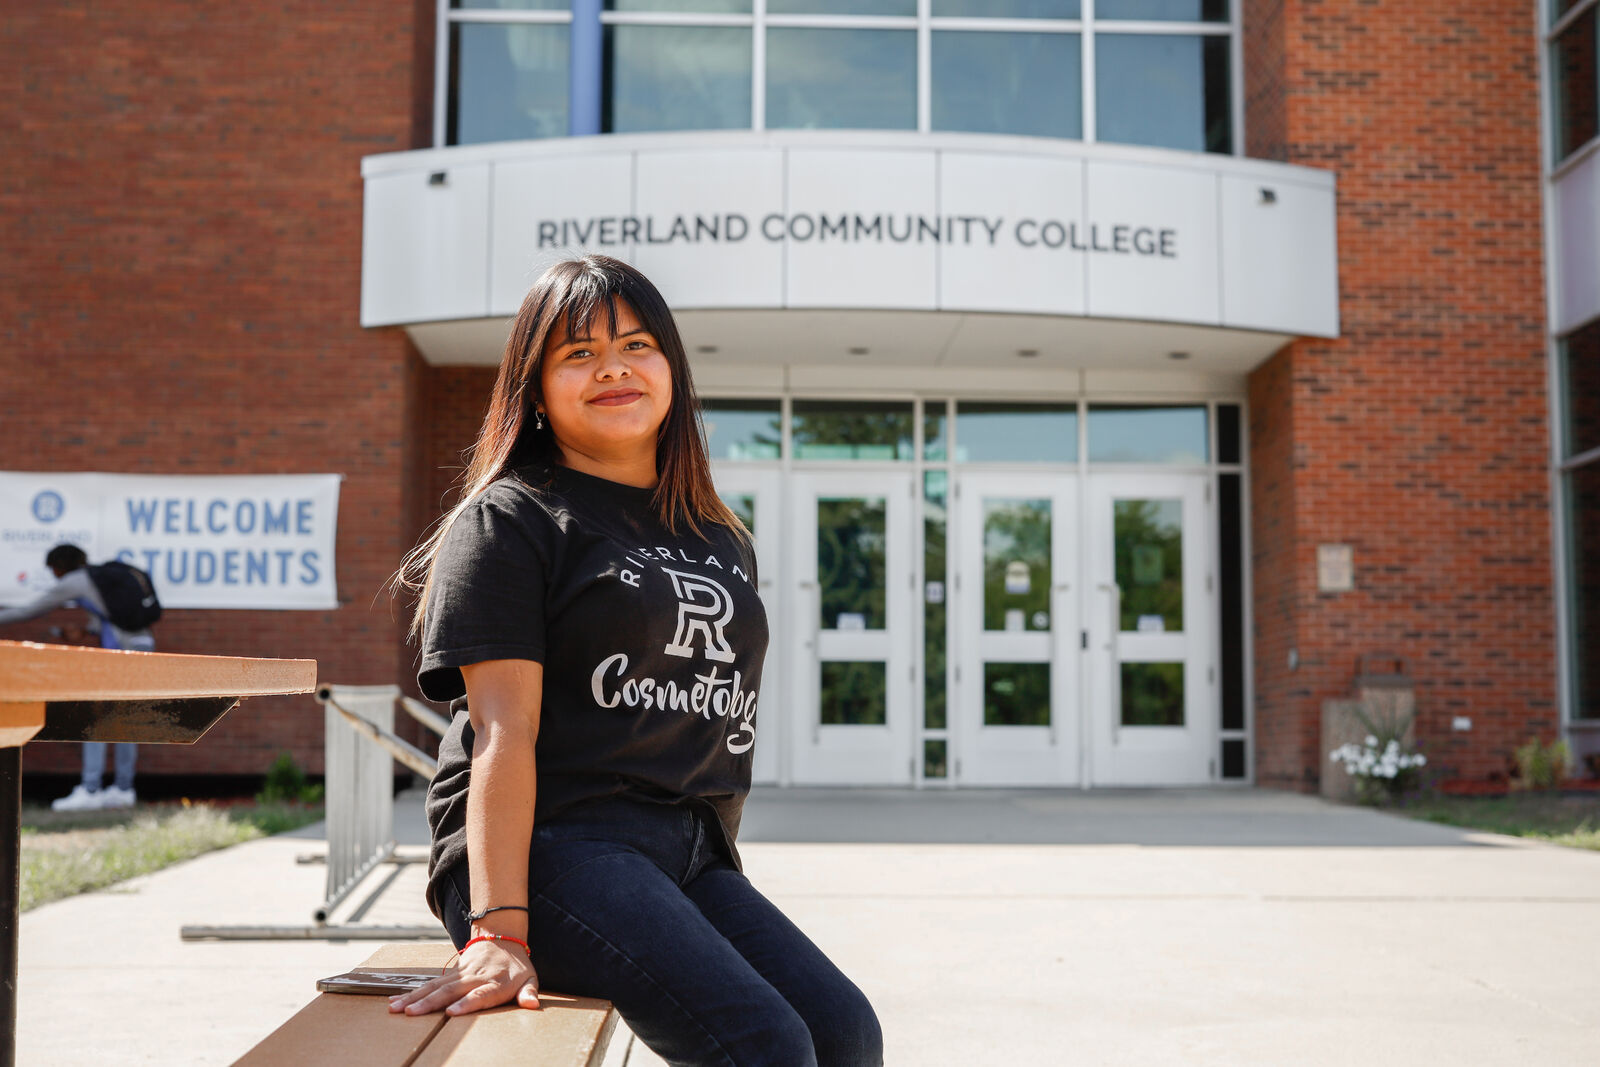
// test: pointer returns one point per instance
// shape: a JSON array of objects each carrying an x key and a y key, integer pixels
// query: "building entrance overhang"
[
  {"x": 940, "y": 250},
  {"x": 967, "y": 351}
]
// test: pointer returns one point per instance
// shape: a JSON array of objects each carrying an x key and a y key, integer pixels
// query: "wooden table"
[{"x": 76, "y": 693}]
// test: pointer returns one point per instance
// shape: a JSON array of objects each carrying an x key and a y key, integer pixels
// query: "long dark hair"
[{"x": 581, "y": 290}]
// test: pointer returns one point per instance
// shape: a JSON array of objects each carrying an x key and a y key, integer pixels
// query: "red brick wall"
[
  {"x": 1420, "y": 436},
  {"x": 1285, "y": 736},
  {"x": 446, "y": 415},
  {"x": 180, "y": 220}
]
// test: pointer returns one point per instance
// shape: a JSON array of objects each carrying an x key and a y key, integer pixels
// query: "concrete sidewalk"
[{"x": 1220, "y": 926}]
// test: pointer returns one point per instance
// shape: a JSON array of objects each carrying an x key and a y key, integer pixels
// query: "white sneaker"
[
  {"x": 112, "y": 797},
  {"x": 80, "y": 799}
]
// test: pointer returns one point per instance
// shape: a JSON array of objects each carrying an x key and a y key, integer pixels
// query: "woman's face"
[{"x": 606, "y": 394}]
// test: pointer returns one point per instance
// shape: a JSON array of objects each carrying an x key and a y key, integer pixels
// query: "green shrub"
[
  {"x": 1542, "y": 766},
  {"x": 286, "y": 784}
]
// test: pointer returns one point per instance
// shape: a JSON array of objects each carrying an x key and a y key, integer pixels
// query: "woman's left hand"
[{"x": 488, "y": 974}]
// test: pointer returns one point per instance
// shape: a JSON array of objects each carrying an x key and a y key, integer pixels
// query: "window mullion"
[
  {"x": 758, "y": 66},
  {"x": 1091, "y": 132},
  {"x": 441, "y": 71},
  {"x": 924, "y": 67}
]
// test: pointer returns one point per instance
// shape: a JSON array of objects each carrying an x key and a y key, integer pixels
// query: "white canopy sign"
[{"x": 236, "y": 541}]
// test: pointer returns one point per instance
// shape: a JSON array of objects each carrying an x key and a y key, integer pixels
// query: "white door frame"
[
  {"x": 851, "y": 754},
  {"x": 1016, "y": 755},
  {"x": 764, "y": 485},
  {"x": 1150, "y": 755}
]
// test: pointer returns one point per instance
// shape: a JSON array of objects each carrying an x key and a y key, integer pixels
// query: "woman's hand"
[{"x": 487, "y": 974}]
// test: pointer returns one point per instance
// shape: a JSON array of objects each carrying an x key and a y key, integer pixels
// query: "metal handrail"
[
  {"x": 425, "y": 715},
  {"x": 402, "y": 750}
]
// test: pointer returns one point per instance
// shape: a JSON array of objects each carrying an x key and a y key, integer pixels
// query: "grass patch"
[
  {"x": 1573, "y": 821},
  {"x": 66, "y": 853}
]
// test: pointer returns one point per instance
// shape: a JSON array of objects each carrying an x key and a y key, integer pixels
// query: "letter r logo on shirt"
[{"x": 704, "y": 608}]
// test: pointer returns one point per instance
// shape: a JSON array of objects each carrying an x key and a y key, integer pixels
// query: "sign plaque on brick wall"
[{"x": 1335, "y": 569}]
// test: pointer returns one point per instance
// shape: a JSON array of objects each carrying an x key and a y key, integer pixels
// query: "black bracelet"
[{"x": 478, "y": 916}]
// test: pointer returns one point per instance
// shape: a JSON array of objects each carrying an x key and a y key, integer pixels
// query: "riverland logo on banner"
[{"x": 208, "y": 541}]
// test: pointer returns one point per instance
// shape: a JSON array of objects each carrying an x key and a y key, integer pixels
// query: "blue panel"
[{"x": 584, "y": 92}]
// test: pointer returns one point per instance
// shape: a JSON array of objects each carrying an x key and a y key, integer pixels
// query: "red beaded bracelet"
[{"x": 498, "y": 937}]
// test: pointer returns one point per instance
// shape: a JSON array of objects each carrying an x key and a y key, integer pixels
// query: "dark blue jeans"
[{"x": 635, "y": 902}]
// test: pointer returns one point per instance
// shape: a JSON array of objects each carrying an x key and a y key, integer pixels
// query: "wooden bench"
[
  {"x": 75, "y": 693},
  {"x": 359, "y": 1030}
]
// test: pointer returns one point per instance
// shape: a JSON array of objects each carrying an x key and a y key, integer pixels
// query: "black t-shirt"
[{"x": 651, "y": 642}]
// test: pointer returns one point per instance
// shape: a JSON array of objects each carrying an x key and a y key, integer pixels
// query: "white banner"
[{"x": 207, "y": 541}]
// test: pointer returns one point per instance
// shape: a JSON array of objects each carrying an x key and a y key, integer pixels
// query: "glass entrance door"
[
  {"x": 1016, "y": 605},
  {"x": 851, "y": 669},
  {"x": 753, "y": 494},
  {"x": 1150, "y": 596}
]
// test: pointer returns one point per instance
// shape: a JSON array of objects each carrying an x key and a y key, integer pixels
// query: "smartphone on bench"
[{"x": 387, "y": 983}]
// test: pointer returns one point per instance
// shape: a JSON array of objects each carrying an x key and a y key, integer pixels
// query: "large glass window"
[
  {"x": 1010, "y": 433},
  {"x": 1025, "y": 83},
  {"x": 841, "y": 79},
  {"x": 1583, "y": 586},
  {"x": 1016, "y": 565},
  {"x": 1580, "y": 372},
  {"x": 743, "y": 429},
  {"x": 676, "y": 78},
  {"x": 1149, "y": 564},
  {"x": 1162, "y": 10},
  {"x": 935, "y": 493},
  {"x": 676, "y": 6},
  {"x": 1580, "y": 382},
  {"x": 1140, "y": 433},
  {"x": 1165, "y": 90},
  {"x": 508, "y": 81},
  {"x": 1007, "y": 9},
  {"x": 511, "y": 5},
  {"x": 1162, "y": 68},
  {"x": 841, "y": 7},
  {"x": 853, "y": 429},
  {"x": 1573, "y": 83}
]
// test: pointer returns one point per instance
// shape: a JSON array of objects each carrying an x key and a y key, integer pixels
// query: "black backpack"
[{"x": 130, "y": 599}]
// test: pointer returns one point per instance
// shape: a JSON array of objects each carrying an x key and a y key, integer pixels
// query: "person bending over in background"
[{"x": 74, "y": 587}]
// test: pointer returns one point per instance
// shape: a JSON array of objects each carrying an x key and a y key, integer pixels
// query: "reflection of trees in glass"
[
  {"x": 827, "y": 429},
  {"x": 744, "y": 506},
  {"x": 1016, "y": 694},
  {"x": 1030, "y": 433},
  {"x": 743, "y": 429},
  {"x": 854, "y": 694},
  {"x": 1016, "y": 531},
  {"x": 851, "y": 559},
  {"x": 1149, "y": 539},
  {"x": 1152, "y": 694},
  {"x": 933, "y": 759},
  {"x": 933, "y": 443},
  {"x": 933, "y": 615}
]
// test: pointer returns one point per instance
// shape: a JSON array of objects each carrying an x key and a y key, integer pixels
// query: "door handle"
[{"x": 1116, "y": 667}]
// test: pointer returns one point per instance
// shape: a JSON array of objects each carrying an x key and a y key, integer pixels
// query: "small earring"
[{"x": 538, "y": 419}]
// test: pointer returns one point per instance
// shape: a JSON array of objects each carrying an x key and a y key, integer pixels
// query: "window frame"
[{"x": 1552, "y": 107}]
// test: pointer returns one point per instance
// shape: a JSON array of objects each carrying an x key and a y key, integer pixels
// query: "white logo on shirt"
[{"x": 700, "y": 619}]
